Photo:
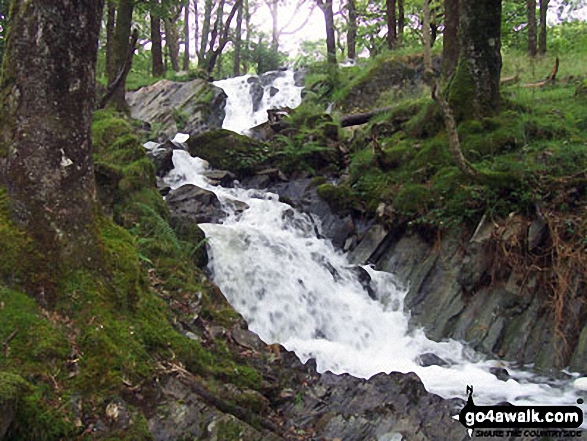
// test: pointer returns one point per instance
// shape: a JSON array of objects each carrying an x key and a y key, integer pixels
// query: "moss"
[
  {"x": 426, "y": 123},
  {"x": 229, "y": 151},
  {"x": 432, "y": 155},
  {"x": 398, "y": 155},
  {"x": 339, "y": 198},
  {"x": 411, "y": 200},
  {"x": 15, "y": 245},
  {"x": 461, "y": 92},
  {"x": 107, "y": 130},
  {"x": 137, "y": 175}
]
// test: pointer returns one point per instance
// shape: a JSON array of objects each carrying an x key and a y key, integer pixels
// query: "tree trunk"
[
  {"x": 532, "y": 40},
  {"x": 474, "y": 90},
  {"x": 352, "y": 31},
  {"x": 275, "y": 31},
  {"x": 450, "y": 45},
  {"x": 110, "y": 26},
  {"x": 205, "y": 33},
  {"x": 196, "y": 27},
  {"x": 391, "y": 23},
  {"x": 401, "y": 20},
  {"x": 171, "y": 41},
  {"x": 449, "y": 120},
  {"x": 248, "y": 36},
  {"x": 542, "y": 38},
  {"x": 238, "y": 41},
  {"x": 121, "y": 43},
  {"x": 46, "y": 113},
  {"x": 156, "y": 46},
  {"x": 186, "y": 32},
  {"x": 215, "y": 54},
  {"x": 326, "y": 7}
]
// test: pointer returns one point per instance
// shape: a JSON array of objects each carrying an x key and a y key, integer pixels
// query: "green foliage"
[
  {"x": 339, "y": 198},
  {"x": 411, "y": 200},
  {"x": 537, "y": 140}
]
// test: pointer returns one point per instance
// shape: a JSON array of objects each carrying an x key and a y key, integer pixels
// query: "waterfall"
[
  {"x": 296, "y": 289},
  {"x": 249, "y": 98}
]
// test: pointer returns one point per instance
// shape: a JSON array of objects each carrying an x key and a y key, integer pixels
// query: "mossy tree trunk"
[
  {"x": 450, "y": 44},
  {"x": 46, "y": 106},
  {"x": 474, "y": 90}
]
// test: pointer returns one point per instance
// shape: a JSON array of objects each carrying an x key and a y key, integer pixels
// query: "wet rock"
[
  {"x": 162, "y": 155},
  {"x": 196, "y": 106},
  {"x": 368, "y": 244},
  {"x": 256, "y": 90},
  {"x": 364, "y": 279},
  {"x": 265, "y": 178},
  {"x": 268, "y": 78},
  {"x": 247, "y": 339},
  {"x": 300, "y": 77},
  {"x": 349, "y": 408},
  {"x": 430, "y": 359},
  {"x": 501, "y": 373},
  {"x": 221, "y": 177},
  {"x": 195, "y": 203},
  {"x": 273, "y": 91}
]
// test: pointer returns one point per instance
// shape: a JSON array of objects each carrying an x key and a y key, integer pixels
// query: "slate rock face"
[
  {"x": 191, "y": 201},
  {"x": 192, "y": 107}
]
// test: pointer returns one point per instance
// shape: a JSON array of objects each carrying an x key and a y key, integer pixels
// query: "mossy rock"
[
  {"x": 389, "y": 77},
  {"x": 338, "y": 197},
  {"x": 228, "y": 150}
]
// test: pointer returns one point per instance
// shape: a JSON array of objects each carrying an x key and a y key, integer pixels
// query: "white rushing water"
[
  {"x": 240, "y": 116},
  {"x": 296, "y": 289}
]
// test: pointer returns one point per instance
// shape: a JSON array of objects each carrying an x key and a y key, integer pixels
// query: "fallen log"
[
  {"x": 507, "y": 81},
  {"x": 362, "y": 118},
  {"x": 550, "y": 79}
]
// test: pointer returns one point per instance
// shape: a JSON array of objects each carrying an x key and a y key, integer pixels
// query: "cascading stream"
[
  {"x": 241, "y": 112},
  {"x": 296, "y": 289}
]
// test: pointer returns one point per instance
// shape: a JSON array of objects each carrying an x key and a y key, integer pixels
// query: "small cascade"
[
  {"x": 296, "y": 289},
  {"x": 250, "y": 96}
]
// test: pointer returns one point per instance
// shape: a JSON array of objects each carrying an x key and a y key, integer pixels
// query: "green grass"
[{"x": 539, "y": 137}]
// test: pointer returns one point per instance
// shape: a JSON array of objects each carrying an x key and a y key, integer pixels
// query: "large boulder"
[
  {"x": 387, "y": 81},
  {"x": 228, "y": 150},
  {"x": 192, "y": 107}
]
